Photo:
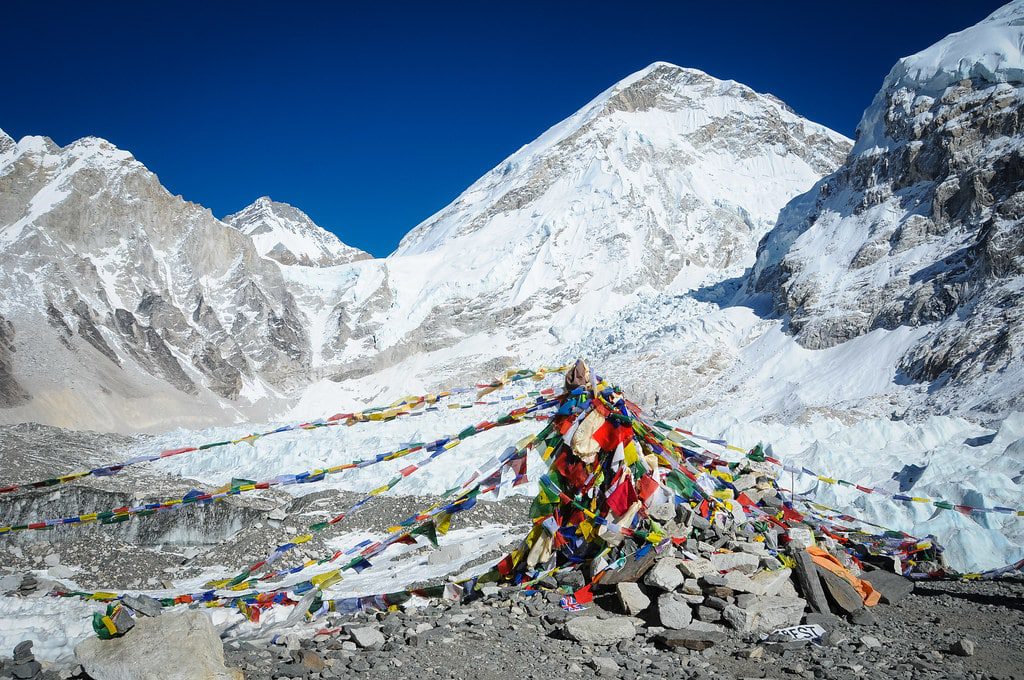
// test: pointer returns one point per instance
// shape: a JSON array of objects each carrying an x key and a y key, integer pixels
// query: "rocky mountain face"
[
  {"x": 923, "y": 226},
  {"x": 125, "y": 307},
  {"x": 286, "y": 234}
]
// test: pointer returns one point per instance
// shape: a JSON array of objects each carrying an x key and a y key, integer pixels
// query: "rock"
[
  {"x": 595, "y": 631},
  {"x": 870, "y": 641},
  {"x": 184, "y": 641},
  {"x": 673, "y": 612},
  {"x": 690, "y": 638},
  {"x": 143, "y": 604},
  {"x": 738, "y": 583},
  {"x": 826, "y": 621},
  {"x": 60, "y": 571},
  {"x": 841, "y": 593},
  {"x": 665, "y": 575},
  {"x": 738, "y": 619},
  {"x": 962, "y": 647},
  {"x": 863, "y": 617},
  {"x": 745, "y": 600},
  {"x": 604, "y": 665},
  {"x": 810, "y": 583},
  {"x": 52, "y": 560},
  {"x": 769, "y": 583},
  {"x": 751, "y": 653},
  {"x": 367, "y": 637},
  {"x": 735, "y": 561},
  {"x": 9, "y": 582},
  {"x": 713, "y": 581},
  {"x": 776, "y": 612},
  {"x": 310, "y": 661},
  {"x": 28, "y": 669},
  {"x": 695, "y": 569},
  {"x": 708, "y": 615},
  {"x": 892, "y": 587},
  {"x": 633, "y": 570},
  {"x": 278, "y": 514},
  {"x": 23, "y": 651},
  {"x": 446, "y": 554},
  {"x": 631, "y": 598}
]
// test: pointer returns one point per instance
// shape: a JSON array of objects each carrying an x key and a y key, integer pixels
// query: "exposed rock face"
[
  {"x": 130, "y": 294},
  {"x": 11, "y": 393},
  {"x": 924, "y": 223},
  {"x": 286, "y": 234}
]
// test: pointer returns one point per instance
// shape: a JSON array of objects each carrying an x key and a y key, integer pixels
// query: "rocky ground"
[
  {"x": 703, "y": 609},
  {"x": 943, "y": 630}
]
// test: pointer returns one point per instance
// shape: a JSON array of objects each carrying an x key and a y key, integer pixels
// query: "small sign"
[{"x": 811, "y": 632}]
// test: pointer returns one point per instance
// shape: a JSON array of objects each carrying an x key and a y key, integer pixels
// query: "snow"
[
  {"x": 278, "y": 228},
  {"x": 991, "y": 51}
]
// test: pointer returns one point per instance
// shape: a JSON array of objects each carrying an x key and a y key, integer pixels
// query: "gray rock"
[
  {"x": 736, "y": 561},
  {"x": 810, "y": 583},
  {"x": 673, "y": 612},
  {"x": 185, "y": 641},
  {"x": 27, "y": 669},
  {"x": 143, "y": 604},
  {"x": 963, "y": 647},
  {"x": 665, "y": 575},
  {"x": 595, "y": 631},
  {"x": 631, "y": 598},
  {"x": 604, "y": 665},
  {"x": 695, "y": 569},
  {"x": 840, "y": 592},
  {"x": 690, "y": 638},
  {"x": 738, "y": 619},
  {"x": 367, "y": 637},
  {"x": 769, "y": 583},
  {"x": 892, "y": 587},
  {"x": 863, "y": 617},
  {"x": 870, "y": 641}
]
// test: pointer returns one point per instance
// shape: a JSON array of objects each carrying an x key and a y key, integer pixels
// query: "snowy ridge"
[{"x": 284, "y": 233}]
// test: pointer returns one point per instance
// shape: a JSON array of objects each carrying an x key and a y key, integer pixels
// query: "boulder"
[
  {"x": 673, "y": 611},
  {"x": 143, "y": 604},
  {"x": 739, "y": 583},
  {"x": 183, "y": 641},
  {"x": 735, "y": 561},
  {"x": 776, "y": 612},
  {"x": 690, "y": 638},
  {"x": 446, "y": 554},
  {"x": 739, "y": 619},
  {"x": 665, "y": 575},
  {"x": 841, "y": 592},
  {"x": 810, "y": 584},
  {"x": 631, "y": 598},
  {"x": 595, "y": 631},
  {"x": 367, "y": 637},
  {"x": 892, "y": 587},
  {"x": 769, "y": 583},
  {"x": 698, "y": 568},
  {"x": 633, "y": 570}
]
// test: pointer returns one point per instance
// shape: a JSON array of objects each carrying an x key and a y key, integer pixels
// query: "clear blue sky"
[{"x": 372, "y": 116}]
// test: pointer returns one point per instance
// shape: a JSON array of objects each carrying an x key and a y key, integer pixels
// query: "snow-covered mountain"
[
  {"x": 284, "y": 233},
  {"x": 640, "y": 232},
  {"x": 125, "y": 307},
  {"x": 923, "y": 226},
  {"x": 666, "y": 180}
]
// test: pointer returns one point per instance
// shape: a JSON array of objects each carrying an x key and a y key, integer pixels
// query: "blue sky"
[{"x": 372, "y": 116}]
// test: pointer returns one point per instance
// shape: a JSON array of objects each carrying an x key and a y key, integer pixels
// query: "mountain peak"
[
  {"x": 6, "y": 141},
  {"x": 284, "y": 233}
]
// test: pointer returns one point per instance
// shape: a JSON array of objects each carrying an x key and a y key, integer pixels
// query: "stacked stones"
[
  {"x": 25, "y": 664},
  {"x": 29, "y": 585}
]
